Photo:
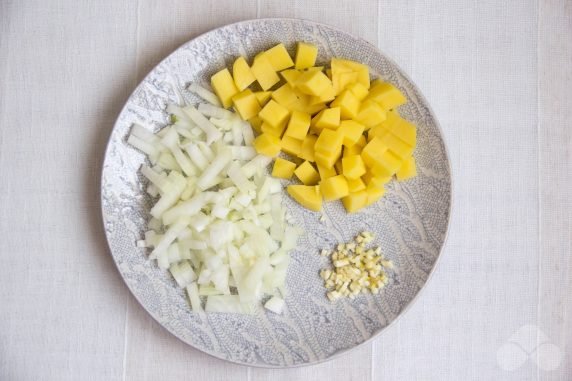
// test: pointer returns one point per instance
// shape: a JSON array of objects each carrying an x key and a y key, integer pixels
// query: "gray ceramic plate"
[{"x": 410, "y": 222}]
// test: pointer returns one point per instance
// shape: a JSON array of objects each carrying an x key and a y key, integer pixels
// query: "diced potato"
[
  {"x": 358, "y": 89},
  {"x": 370, "y": 114},
  {"x": 361, "y": 70},
  {"x": 298, "y": 125},
  {"x": 279, "y": 57},
  {"x": 327, "y": 160},
  {"x": 327, "y": 118},
  {"x": 283, "y": 168},
  {"x": 351, "y": 131},
  {"x": 242, "y": 74},
  {"x": 407, "y": 170},
  {"x": 386, "y": 164},
  {"x": 387, "y": 96},
  {"x": 308, "y": 152},
  {"x": 266, "y": 144},
  {"x": 264, "y": 72},
  {"x": 374, "y": 194},
  {"x": 284, "y": 95},
  {"x": 348, "y": 103},
  {"x": 355, "y": 201},
  {"x": 305, "y": 55},
  {"x": 329, "y": 142},
  {"x": 307, "y": 196},
  {"x": 339, "y": 166},
  {"x": 246, "y": 104},
  {"x": 325, "y": 97},
  {"x": 307, "y": 174},
  {"x": 326, "y": 172},
  {"x": 342, "y": 80},
  {"x": 402, "y": 128},
  {"x": 380, "y": 131},
  {"x": 371, "y": 152},
  {"x": 256, "y": 123},
  {"x": 290, "y": 76},
  {"x": 334, "y": 188},
  {"x": 313, "y": 83},
  {"x": 224, "y": 87},
  {"x": 274, "y": 114},
  {"x": 355, "y": 185},
  {"x": 397, "y": 146},
  {"x": 274, "y": 131},
  {"x": 291, "y": 146},
  {"x": 263, "y": 97},
  {"x": 353, "y": 167},
  {"x": 378, "y": 181}
]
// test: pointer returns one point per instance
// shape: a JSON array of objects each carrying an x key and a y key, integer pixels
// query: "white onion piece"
[{"x": 219, "y": 225}]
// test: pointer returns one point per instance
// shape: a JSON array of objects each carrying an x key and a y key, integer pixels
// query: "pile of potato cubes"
[{"x": 343, "y": 133}]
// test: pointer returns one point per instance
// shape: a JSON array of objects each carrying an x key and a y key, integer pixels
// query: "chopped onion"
[
  {"x": 218, "y": 225},
  {"x": 207, "y": 95}
]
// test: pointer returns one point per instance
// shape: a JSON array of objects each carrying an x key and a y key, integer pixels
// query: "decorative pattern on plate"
[{"x": 410, "y": 222}]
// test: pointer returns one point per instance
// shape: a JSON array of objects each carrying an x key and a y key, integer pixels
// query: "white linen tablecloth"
[{"x": 499, "y": 77}]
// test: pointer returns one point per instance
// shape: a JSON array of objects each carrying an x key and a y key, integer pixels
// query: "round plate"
[{"x": 410, "y": 222}]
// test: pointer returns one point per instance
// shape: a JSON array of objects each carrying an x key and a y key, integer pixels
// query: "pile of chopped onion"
[{"x": 218, "y": 224}]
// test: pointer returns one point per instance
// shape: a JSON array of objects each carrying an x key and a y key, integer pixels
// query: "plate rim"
[{"x": 409, "y": 304}]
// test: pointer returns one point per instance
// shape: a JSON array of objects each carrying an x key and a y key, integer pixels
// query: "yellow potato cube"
[
  {"x": 305, "y": 55},
  {"x": 291, "y": 146},
  {"x": 307, "y": 174},
  {"x": 374, "y": 194},
  {"x": 283, "y": 168},
  {"x": 378, "y": 181},
  {"x": 334, "y": 188},
  {"x": 264, "y": 72},
  {"x": 246, "y": 104},
  {"x": 329, "y": 142},
  {"x": 326, "y": 172},
  {"x": 370, "y": 114},
  {"x": 279, "y": 57},
  {"x": 298, "y": 125},
  {"x": 407, "y": 170},
  {"x": 397, "y": 146},
  {"x": 358, "y": 89},
  {"x": 402, "y": 128},
  {"x": 361, "y": 69},
  {"x": 224, "y": 87},
  {"x": 327, "y": 118},
  {"x": 284, "y": 95},
  {"x": 308, "y": 152},
  {"x": 256, "y": 123},
  {"x": 372, "y": 151},
  {"x": 266, "y": 144},
  {"x": 313, "y": 83},
  {"x": 355, "y": 185},
  {"x": 351, "y": 131},
  {"x": 242, "y": 74},
  {"x": 342, "y": 80},
  {"x": 325, "y": 97},
  {"x": 307, "y": 196},
  {"x": 387, "y": 96},
  {"x": 274, "y": 131},
  {"x": 348, "y": 103},
  {"x": 327, "y": 160},
  {"x": 339, "y": 166},
  {"x": 291, "y": 76},
  {"x": 355, "y": 201},
  {"x": 274, "y": 114},
  {"x": 386, "y": 164},
  {"x": 380, "y": 131},
  {"x": 353, "y": 167},
  {"x": 263, "y": 97}
]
